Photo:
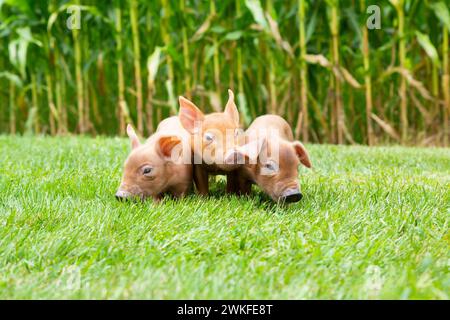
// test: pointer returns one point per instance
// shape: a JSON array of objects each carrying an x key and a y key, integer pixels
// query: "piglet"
[
  {"x": 212, "y": 136},
  {"x": 270, "y": 159},
  {"x": 161, "y": 165}
]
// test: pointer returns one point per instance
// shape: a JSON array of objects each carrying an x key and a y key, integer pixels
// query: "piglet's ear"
[
  {"x": 248, "y": 153},
  {"x": 166, "y": 145},
  {"x": 231, "y": 108},
  {"x": 133, "y": 137},
  {"x": 302, "y": 154},
  {"x": 190, "y": 116}
]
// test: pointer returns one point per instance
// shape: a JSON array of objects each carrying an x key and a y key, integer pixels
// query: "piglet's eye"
[
  {"x": 209, "y": 137},
  {"x": 269, "y": 168},
  {"x": 147, "y": 170}
]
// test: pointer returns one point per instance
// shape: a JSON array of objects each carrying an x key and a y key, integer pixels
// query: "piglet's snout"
[
  {"x": 122, "y": 195},
  {"x": 291, "y": 195}
]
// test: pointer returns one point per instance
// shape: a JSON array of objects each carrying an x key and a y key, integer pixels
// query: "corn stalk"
[
  {"x": 79, "y": 80},
  {"x": 137, "y": 65},
  {"x": 446, "y": 85},
  {"x": 367, "y": 78},
  {"x": 303, "y": 115},
  {"x": 51, "y": 104},
  {"x": 186, "y": 59},
  {"x": 34, "y": 114},
  {"x": 12, "y": 107},
  {"x": 216, "y": 66},
  {"x": 60, "y": 106},
  {"x": 338, "y": 136},
  {"x": 399, "y": 7},
  {"x": 170, "y": 82},
  {"x": 122, "y": 108}
]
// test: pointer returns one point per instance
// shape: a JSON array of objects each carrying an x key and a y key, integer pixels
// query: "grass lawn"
[{"x": 373, "y": 223}]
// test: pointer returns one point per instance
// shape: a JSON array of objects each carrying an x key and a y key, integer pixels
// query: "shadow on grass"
[{"x": 257, "y": 200}]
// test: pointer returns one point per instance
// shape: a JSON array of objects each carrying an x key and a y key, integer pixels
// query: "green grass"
[{"x": 374, "y": 223}]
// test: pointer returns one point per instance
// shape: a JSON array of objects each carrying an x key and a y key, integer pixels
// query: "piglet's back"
[
  {"x": 172, "y": 126},
  {"x": 270, "y": 122}
]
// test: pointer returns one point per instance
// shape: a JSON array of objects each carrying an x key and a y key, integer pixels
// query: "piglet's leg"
[
  {"x": 158, "y": 198},
  {"x": 232, "y": 183},
  {"x": 245, "y": 186},
  {"x": 181, "y": 190},
  {"x": 201, "y": 180}
]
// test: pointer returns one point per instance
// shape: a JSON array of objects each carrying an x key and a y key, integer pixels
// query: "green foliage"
[
  {"x": 18, "y": 47},
  {"x": 428, "y": 47},
  {"x": 11, "y": 77},
  {"x": 200, "y": 49},
  {"x": 373, "y": 223},
  {"x": 441, "y": 11}
]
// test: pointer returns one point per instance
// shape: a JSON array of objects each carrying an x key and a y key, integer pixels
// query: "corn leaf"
[
  {"x": 11, "y": 77},
  {"x": 429, "y": 48},
  {"x": 153, "y": 64},
  {"x": 257, "y": 12},
  {"x": 235, "y": 35},
  {"x": 441, "y": 11},
  {"x": 386, "y": 127}
]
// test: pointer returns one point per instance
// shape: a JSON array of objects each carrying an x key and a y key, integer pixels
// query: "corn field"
[{"x": 91, "y": 67}]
